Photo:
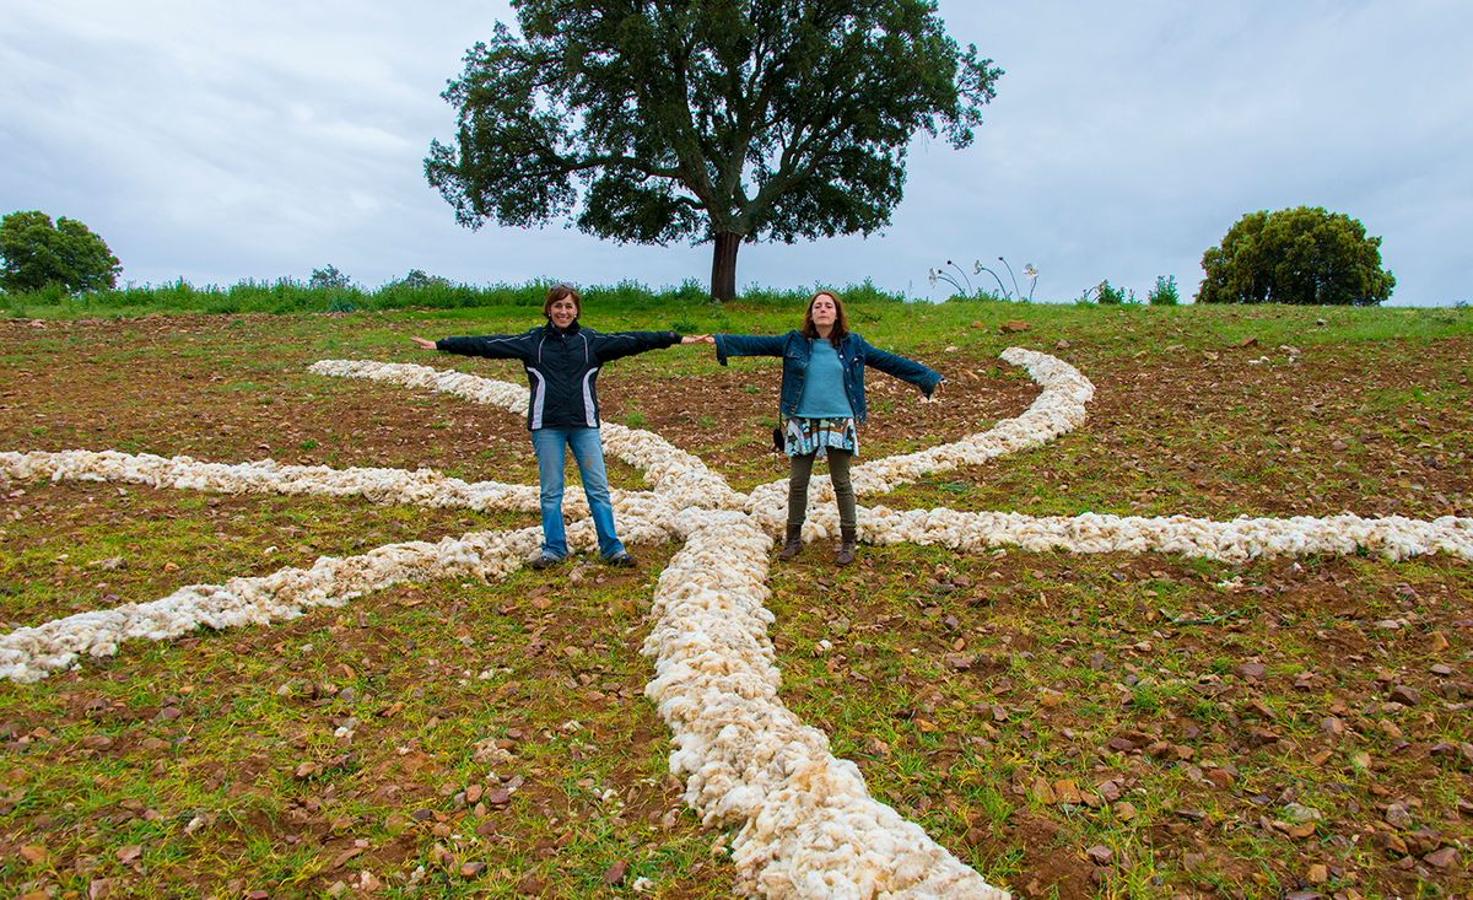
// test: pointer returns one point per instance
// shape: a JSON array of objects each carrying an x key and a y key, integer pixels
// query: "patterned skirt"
[{"x": 804, "y": 436}]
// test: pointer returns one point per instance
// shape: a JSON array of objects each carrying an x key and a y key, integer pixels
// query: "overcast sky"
[{"x": 223, "y": 141}]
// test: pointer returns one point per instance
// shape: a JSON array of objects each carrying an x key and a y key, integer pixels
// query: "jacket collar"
[
  {"x": 843, "y": 341},
  {"x": 552, "y": 330}
]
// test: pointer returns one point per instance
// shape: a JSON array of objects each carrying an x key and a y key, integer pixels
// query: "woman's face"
[
  {"x": 563, "y": 312},
  {"x": 824, "y": 311}
]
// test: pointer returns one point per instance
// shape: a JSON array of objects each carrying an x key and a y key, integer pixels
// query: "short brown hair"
[
  {"x": 841, "y": 320},
  {"x": 558, "y": 292}
]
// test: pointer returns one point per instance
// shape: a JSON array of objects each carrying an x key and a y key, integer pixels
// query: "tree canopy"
[
  {"x": 329, "y": 277},
  {"x": 35, "y": 253},
  {"x": 713, "y": 120},
  {"x": 1304, "y": 255}
]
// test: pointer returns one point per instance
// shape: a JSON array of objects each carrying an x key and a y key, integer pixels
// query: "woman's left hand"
[
  {"x": 696, "y": 339},
  {"x": 935, "y": 393}
]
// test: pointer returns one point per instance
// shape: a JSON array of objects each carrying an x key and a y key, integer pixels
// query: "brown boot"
[
  {"x": 848, "y": 537},
  {"x": 793, "y": 545}
]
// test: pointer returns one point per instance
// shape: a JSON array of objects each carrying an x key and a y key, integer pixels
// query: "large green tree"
[
  {"x": 35, "y": 253},
  {"x": 1304, "y": 255},
  {"x": 715, "y": 120}
]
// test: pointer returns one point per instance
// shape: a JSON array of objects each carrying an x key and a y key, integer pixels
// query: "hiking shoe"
[
  {"x": 544, "y": 561},
  {"x": 621, "y": 560},
  {"x": 849, "y": 537},
  {"x": 792, "y": 544}
]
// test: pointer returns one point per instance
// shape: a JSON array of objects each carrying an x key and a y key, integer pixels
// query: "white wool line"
[
  {"x": 30, "y": 654},
  {"x": 1236, "y": 540},
  {"x": 422, "y": 487},
  {"x": 674, "y": 472},
  {"x": 668, "y": 468},
  {"x": 808, "y": 824},
  {"x": 1058, "y": 409},
  {"x": 507, "y": 396},
  {"x": 809, "y": 827}
]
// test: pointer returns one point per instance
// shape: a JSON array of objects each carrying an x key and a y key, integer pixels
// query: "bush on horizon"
[
  {"x": 1303, "y": 256},
  {"x": 417, "y": 290},
  {"x": 1165, "y": 292},
  {"x": 1107, "y": 294},
  {"x": 37, "y": 254}
]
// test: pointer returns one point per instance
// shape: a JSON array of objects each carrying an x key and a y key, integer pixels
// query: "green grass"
[
  {"x": 1073, "y": 650},
  {"x": 286, "y": 296}
]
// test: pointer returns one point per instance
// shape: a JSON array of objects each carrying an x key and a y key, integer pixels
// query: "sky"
[{"x": 219, "y": 142}]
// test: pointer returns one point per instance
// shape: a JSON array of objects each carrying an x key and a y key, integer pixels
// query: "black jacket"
[{"x": 562, "y": 366}]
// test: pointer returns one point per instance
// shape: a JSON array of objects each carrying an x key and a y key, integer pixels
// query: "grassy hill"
[{"x": 1218, "y": 729}]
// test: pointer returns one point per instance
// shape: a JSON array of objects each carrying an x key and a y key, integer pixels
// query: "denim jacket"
[{"x": 855, "y": 354}]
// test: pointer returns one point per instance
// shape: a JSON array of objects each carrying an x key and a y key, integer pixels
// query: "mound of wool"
[
  {"x": 30, "y": 654},
  {"x": 421, "y": 487},
  {"x": 510, "y": 397},
  {"x": 1237, "y": 540},
  {"x": 809, "y": 827},
  {"x": 670, "y": 469},
  {"x": 820, "y": 835},
  {"x": 1058, "y": 409}
]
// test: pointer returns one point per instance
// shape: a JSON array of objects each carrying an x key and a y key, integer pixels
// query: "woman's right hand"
[{"x": 423, "y": 344}]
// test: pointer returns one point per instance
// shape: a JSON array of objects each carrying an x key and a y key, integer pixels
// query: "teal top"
[{"x": 823, "y": 386}]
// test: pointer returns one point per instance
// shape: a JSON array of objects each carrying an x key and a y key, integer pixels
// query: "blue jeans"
[{"x": 551, "y": 445}]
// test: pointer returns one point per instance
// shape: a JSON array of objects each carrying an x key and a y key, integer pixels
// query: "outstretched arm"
[
  {"x": 491, "y": 346},
  {"x": 608, "y": 347},
  {"x": 748, "y": 345},
  {"x": 923, "y": 377}
]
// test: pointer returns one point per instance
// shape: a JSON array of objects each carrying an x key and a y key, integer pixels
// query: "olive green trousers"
[{"x": 802, "y": 470}]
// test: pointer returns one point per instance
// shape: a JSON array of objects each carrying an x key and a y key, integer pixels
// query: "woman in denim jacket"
[
  {"x": 562, "y": 359},
  {"x": 823, "y": 404}
]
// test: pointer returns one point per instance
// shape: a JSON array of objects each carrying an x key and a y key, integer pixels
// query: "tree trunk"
[{"x": 723, "y": 266}]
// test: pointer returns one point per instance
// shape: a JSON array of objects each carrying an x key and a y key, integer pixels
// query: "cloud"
[{"x": 264, "y": 140}]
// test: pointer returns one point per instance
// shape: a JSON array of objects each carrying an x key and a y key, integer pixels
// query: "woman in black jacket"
[{"x": 562, "y": 359}]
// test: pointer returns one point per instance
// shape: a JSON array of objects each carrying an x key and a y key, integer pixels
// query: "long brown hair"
[{"x": 841, "y": 319}]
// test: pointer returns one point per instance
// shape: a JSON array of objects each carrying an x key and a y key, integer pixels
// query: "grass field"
[{"x": 1116, "y": 725}]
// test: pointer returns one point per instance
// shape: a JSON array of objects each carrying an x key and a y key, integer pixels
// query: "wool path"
[{"x": 807, "y": 824}]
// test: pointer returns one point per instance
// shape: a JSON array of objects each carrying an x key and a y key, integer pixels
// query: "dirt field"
[{"x": 1117, "y": 725}]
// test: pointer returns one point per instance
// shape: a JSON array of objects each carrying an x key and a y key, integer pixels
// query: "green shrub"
[
  {"x": 1107, "y": 294},
  {"x": 1306, "y": 255},
  {"x": 417, "y": 279},
  {"x": 978, "y": 296},
  {"x": 328, "y": 277},
  {"x": 288, "y": 296},
  {"x": 35, "y": 254},
  {"x": 55, "y": 294},
  {"x": 1165, "y": 292}
]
